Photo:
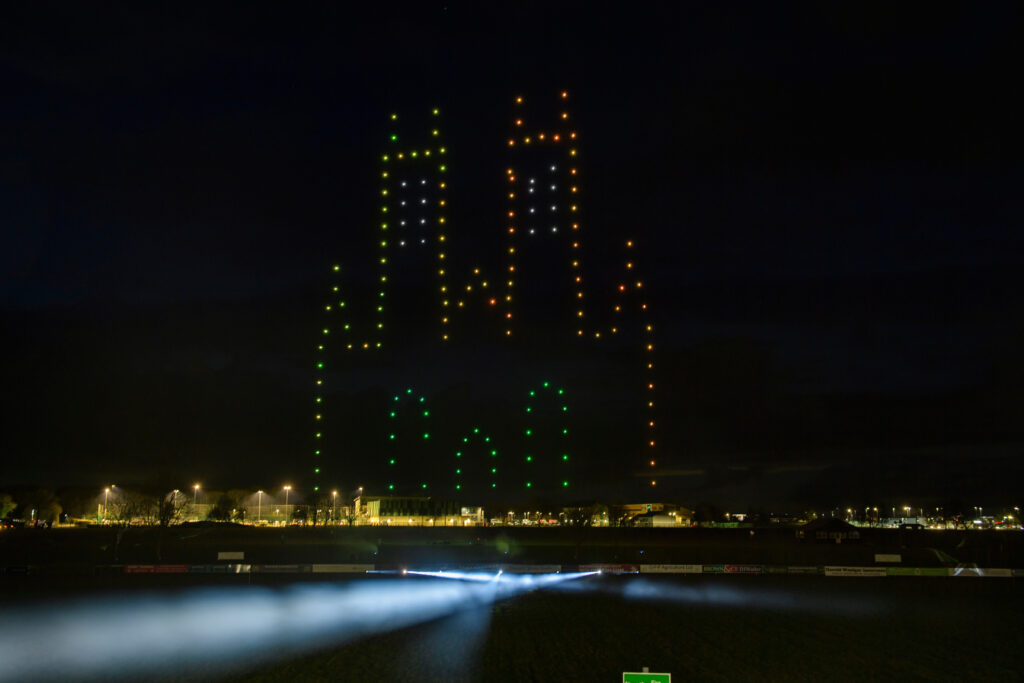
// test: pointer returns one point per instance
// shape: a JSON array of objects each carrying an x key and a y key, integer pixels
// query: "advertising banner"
[
  {"x": 671, "y": 568},
  {"x": 870, "y": 572}
]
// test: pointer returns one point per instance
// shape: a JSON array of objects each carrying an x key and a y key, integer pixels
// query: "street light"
[
  {"x": 106, "y": 497},
  {"x": 259, "y": 504},
  {"x": 334, "y": 504},
  {"x": 287, "y": 490},
  {"x": 195, "y": 498}
]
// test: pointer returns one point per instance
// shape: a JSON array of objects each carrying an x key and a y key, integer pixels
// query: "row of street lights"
[{"x": 287, "y": 488}]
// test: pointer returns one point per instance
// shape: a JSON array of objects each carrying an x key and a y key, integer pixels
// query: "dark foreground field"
[
  {"x": 700, "y": 628},
  {"x": 703, "y": 629}
]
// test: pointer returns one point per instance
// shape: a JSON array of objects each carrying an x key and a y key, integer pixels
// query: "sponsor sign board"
[
  {"x": 156, "y": 569},
  {"x": 532, "y": 568},
  {"x": 611, "y": 568},
  {"x": 888, "y": 557},
  {"x": 671, "y": 568},
  {"x": 230, "y": 555},
  {"x": 282, "y": 568},
  {"x": 744, "y": 569},
  {"x": 342, "y": 568},
  {"x": 803, "y": 570},
  {"x": 916, "y": 571},
  {"x": 713, "y": 568},
  {"x": 855, "y": 571},
  {"x": 976, "y": 572}
]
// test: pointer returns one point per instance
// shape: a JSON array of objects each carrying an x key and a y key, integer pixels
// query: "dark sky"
[{"x": 826, "y": 201}]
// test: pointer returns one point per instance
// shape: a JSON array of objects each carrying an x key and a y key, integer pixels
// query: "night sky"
[{"x": 826, "y": 203}]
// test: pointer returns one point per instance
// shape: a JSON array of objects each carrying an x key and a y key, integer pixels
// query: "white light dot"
[
  {"x": 423, "y": 181},
  {"x": 532, "y": 231},
  {"x": 532, "y": 181},
  {"x": 423, "y": 221},
  {"x": 423, "y": 241},
  {"x": 552, "y": 188},
  {"x": 554, "y": 228},
  {"x": 403, "y": 202},
  {"x": 531, "y": 209},
  {"x": 552, "y": 207},
  {"x": 403, "y": 183},
  {"x": 423, "y": 200},
  {"x": 552, "y": 168}
]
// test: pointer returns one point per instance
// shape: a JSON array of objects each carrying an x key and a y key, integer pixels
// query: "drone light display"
[{"x": 544, "y": 216}]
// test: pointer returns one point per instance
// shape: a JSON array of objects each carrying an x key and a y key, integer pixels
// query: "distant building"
[
  {"x": 658, "y": 519},
  {"x": 631, "y": 512},
  {"x": 413, "y": 511},
  {"x": 828, "y": 530}
]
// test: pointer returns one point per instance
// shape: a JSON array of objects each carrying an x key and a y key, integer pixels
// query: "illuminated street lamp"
[
  {"x": 106, "y": 498},
  {"x": 195, "y": 498},
  {"x": 287, "y": 490},
  {"x": 334, "y": 504},
  {"x": 259, "y": 504}
]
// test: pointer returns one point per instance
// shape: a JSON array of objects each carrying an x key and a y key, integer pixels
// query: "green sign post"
[{"x": 645, "y": 677}]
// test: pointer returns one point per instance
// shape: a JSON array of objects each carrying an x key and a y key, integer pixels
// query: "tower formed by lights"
[{"x": 545, "y": 238}]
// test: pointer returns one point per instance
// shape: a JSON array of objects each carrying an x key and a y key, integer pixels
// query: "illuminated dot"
[{"x": 565, "y": 483}]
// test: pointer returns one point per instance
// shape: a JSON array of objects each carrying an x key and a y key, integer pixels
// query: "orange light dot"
[
  {"x": 511, "y": 143},
  {"x": 652, "y": 463},
  {"x": 519, "y": 100},
  {"x": 654, "y": 483},
  {"x": 622, "y": 288},
  {"x": 565, "y": 115},
  {"x": 493, "y": 302},
  {"x": 564, "y": 94},
  {"x": 556, "y": 137},
  {"x": 572, "y": 172},
  {"x": 519, "y": 122},
  {"x": 540, "y": 136}
]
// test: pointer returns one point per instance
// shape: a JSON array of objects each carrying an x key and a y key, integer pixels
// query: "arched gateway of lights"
[{"x": 544, "y": 228}]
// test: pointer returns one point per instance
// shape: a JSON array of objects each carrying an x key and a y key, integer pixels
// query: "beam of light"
[
  {"x": 212, "y": 630},
  {"x": 709, "y": 594}
]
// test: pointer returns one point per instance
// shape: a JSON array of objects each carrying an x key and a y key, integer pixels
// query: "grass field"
[{"x": 704, "y": 629}]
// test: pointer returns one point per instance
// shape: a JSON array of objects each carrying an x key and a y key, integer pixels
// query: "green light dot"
[
  {"x": 319, "y": 399},
  {"x": 458, "y": 486},
  {"x": 546, "y": 384},
  {"x": 426, "y": 413},
  {"x": 565, "y": 408},
  {"x": 465, "y": 439},
  {"x": 394, "y": 138},
  {"x": 529, "y": 432},
  {"x": 408, "y": 391},
  {"x": 422, "y": 399},
  {"x": 493, "y": 485},
  {"x": 487, "y": 439},
  {"x": 391, "y": 436},
  {"x": 319, "y": 365},
  {"x": 316, "y": 488},
  {"x": 529, "y": 484},
  {"x": 533, "y": 393},
  {"x": 561, "y": 391},
  {"x": 393, "y": 413},
  {"x": 529, "y": 458},
  {"x": 565, "y": 483},
  {"x": 476, "y": 430},
  {"x": 426, "y": 435},
  {"x": 458, "y": 454},
  {"x": 565, "y": 456},
  {"x": 424, "y": 486},
  {"x": 529, "y": 409},
  {"x": 565, "y": 431},
  {"x": 326, "y": 331},
  {"x": 396, "y": 398},
  {"x": 459, "y": 471},
  {"x": 391, "y": 487},
  {"x": 493, "y": 453},
  {"x": 391, "y": 461},
  {"x": 316, "y": 470},
  {"x": 316, "y": 452}
]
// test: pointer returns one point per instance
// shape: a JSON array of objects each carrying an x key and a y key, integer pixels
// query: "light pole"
[
  {"x": 334, "y": 505},
  {"x": 195, "y": 499},
  {"x": 106, "y": 497},
  {"x": 259, "y": 504},
  {"x": 287, "y": 490}
]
